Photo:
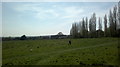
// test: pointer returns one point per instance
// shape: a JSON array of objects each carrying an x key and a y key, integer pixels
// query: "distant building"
[
  {"x": 60, "y": 35},
  {"x": 45, "y": 37}
]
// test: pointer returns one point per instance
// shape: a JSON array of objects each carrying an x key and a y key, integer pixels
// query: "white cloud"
[
  {"x": 46, "y": 13},
  {"x": 53, "y": 12},
  {"x": 23, "y": 7},
  {"x": 72, "y": 12},
  {"x": 43, "y": 13},
  {"x": 60, "y": 12},
  {"x": 55, "y": 6},
  {"x": 37, "y": 10}
]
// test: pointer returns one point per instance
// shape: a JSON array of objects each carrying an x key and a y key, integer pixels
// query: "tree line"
[{"x": 110, "y": 27}]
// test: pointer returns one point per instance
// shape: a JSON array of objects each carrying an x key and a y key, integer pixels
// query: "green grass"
[
  {"x": 0, "y": 52},
  {"x": 88, "y": 51}
]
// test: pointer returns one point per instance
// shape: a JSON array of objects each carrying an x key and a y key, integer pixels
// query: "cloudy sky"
[{"x": 47, "y": 18}]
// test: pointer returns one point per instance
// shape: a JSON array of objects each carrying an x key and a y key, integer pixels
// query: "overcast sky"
[{"x": 47, "y": 18}]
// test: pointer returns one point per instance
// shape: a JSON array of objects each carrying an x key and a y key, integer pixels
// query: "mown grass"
[{"x": 87, "y": 51}]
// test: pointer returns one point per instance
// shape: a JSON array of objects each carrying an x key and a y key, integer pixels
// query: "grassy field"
[
  {"x": 94, "y": 51},
  {"x": 0, "y": 52}
]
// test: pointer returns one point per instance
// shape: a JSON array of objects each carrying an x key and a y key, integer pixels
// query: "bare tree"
[
  {"x": 74, "y": 30},
  {"x": 86, "y": 26},
  {"x": 80, "y": 29},
  {"x": 83, "y": 28},
  {"x": 99, "y": 31},
  {"x": 119, "y": 15},
  {"x": 111, "y": 24},
  {"x": 100, "y": 23},
  {"x": 105, "y": 25},
  {"x": 115, "y": 19},
  {"x": 92, "y": 25}
]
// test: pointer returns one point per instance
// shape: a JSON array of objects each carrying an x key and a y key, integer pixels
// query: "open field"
[
  {"x": 0, "y": 52},
  {"x": 88, "y": 51}
]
